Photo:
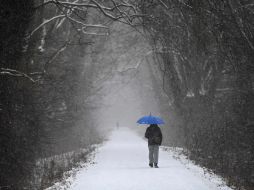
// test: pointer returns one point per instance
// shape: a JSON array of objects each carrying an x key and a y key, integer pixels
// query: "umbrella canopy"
[{"x": 150, "y": 120}]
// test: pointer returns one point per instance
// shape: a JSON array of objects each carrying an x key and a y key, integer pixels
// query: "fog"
[{"x": 129, "y": 92}]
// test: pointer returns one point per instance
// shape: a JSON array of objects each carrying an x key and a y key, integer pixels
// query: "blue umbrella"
[{"x": 150, "y": 120}]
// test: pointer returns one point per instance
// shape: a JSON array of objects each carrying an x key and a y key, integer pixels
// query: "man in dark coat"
[{"x": 154, "y": 136}]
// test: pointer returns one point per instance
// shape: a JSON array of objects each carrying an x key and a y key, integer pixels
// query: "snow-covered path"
[{"x": 122, "y": 164}]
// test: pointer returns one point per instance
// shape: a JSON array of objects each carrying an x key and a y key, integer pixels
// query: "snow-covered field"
[{"x": 122, "y": 164}]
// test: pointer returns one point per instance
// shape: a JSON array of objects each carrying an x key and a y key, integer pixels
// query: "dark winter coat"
[{"x": 154, "y": 135}]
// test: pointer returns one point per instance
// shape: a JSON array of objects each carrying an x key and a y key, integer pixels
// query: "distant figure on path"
[{"x": 154, "y": 136}]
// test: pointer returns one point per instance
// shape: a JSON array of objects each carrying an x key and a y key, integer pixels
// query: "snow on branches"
[{"x": 70, "y": 10}]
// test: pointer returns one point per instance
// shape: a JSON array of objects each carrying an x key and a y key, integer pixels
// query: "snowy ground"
[{"x": 122, "y": 164}]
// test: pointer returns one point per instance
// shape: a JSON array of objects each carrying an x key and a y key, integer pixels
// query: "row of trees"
[
  {"x": 48, "y": 74},
  {"x": 205, "y": 52}
]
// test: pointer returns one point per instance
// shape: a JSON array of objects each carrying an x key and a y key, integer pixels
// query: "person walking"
[
  {"x": 117, "y": 125},
  {"x": 154, "y": 136}
]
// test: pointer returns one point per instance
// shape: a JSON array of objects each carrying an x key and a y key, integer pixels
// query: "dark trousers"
[{"x": 153, "y": 153}]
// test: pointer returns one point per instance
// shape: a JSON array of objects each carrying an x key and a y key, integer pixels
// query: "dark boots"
[{"x": 156, "y": 165}]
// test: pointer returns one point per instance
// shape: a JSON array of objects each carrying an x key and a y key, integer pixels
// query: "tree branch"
[
  {"x": 46, "y": 22},
  {"x": 16, "y": 73}
]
